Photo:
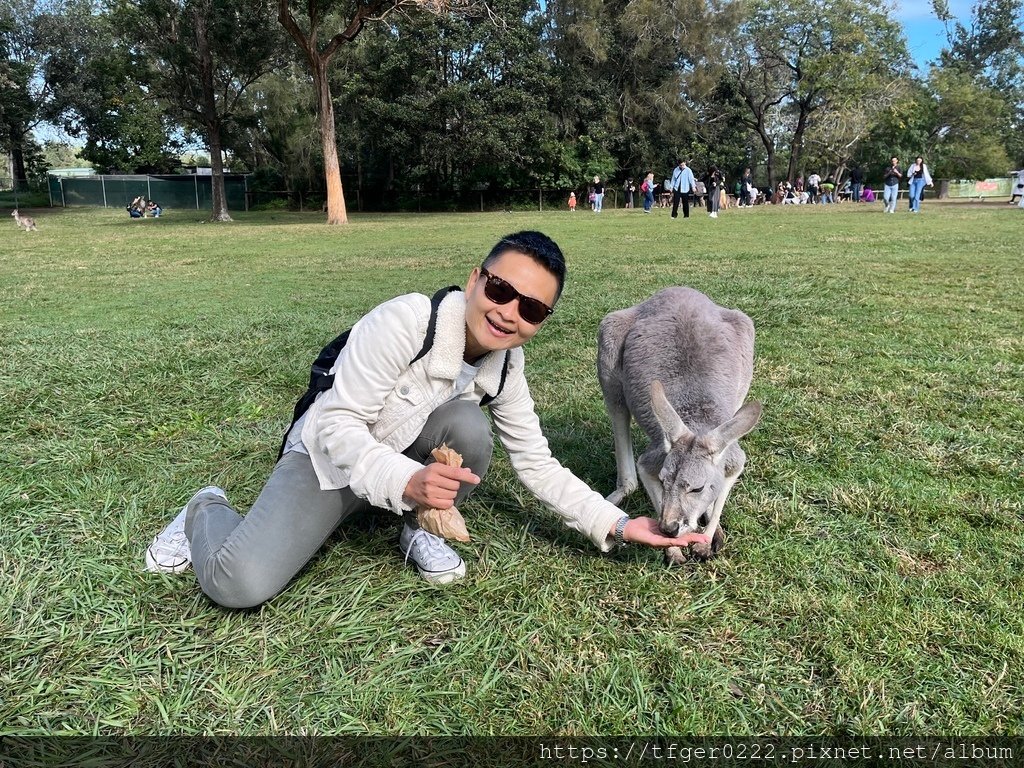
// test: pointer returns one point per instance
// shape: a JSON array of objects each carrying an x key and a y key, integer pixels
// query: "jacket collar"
[{"x": 446, "y": 356}]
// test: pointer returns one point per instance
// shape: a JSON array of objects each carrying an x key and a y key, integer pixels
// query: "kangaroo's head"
[{"x": 693, "y": 474}]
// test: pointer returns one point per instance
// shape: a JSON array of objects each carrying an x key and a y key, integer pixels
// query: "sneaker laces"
[
  {"x": 172, "y": 545},
  {"x": 431, "y": 543},
  {"x": 177, "y": 538}
]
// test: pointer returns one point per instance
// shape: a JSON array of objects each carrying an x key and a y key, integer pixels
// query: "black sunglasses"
[{"x": 501, "y": 292}]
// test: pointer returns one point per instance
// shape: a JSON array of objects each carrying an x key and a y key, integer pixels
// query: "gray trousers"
[{"x": 241, "y": 562}]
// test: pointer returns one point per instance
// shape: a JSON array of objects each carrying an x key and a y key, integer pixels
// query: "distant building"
[{"x": 72, "y": 172}]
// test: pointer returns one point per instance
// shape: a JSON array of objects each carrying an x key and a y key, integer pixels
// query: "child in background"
[{"x": 572, "y": 202}]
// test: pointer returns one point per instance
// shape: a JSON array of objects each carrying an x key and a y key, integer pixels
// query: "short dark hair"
[{"x": 538, "y": 247}]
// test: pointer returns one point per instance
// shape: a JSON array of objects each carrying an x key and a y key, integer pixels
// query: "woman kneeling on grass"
[{"x": 367, "y": 441}]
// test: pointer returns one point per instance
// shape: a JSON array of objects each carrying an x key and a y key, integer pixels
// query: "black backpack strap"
[
  {"x": 488, "y": 399},
  {"x": 321, "y": 379},
  {"x": 435, "y": 302}
]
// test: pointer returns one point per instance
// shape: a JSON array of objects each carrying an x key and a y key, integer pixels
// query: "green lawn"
[{"x": 871, "y": 582}]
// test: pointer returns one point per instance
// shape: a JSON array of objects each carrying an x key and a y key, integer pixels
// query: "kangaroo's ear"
[
  {"x": 672, "y": 427},
  {"x": 746, "y": 419}
]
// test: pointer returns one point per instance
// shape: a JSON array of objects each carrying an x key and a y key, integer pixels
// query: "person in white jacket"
[
  {"x": 917, "y": 178},
  {"x": 366, "y": 441}
]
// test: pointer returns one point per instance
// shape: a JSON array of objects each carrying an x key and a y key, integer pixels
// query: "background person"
[
  {"x": 747, "y": 185},
  {"x": 828, "y": 191},
  {"x": 366, "y": 441},
  {"x": 714, "y": 185},
  {"x": 813, "y": 190},
  {"x": 856, "y": 183},
  {"x": 891, "y": 184},
  {"x": 682, "y": 183},
  {"x": 1017, "y": 188},
  {"x": 917, "y": 178},
  {"x": 598, "y": 194},
  {"x": 648, "y": 188}
]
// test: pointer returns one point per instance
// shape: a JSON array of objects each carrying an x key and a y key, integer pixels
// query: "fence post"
[
  {"x": 149, "y": 191},
  {"x": 63, "y": 202},
  {"x": 103, "y": 186},
  {"x": 195, "y": 178},
  {"x": 540, "y": 200}
]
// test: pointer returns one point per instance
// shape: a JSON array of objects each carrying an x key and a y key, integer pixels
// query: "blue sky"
[{"x": 925, "y": 33}]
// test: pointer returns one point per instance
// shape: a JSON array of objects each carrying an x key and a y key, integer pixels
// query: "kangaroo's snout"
[{"x": 669, "y": 528}]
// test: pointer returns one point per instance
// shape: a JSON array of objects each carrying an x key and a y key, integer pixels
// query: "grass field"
[{"x": 871, "y": 582}]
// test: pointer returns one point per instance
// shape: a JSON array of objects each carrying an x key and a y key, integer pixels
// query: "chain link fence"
[
  {"x": 22, "y": 193},
  {"x": 188, "y": 192},
  {"x": 193, "y": 192}
]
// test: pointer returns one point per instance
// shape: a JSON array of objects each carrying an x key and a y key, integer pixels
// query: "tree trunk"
[
  {"x": 770, "y": 165},
  {"x": 766, "y": 141},
  {"x": 212, "y": 119},
  {"x": 796, "y": 148},
  {"x": 336, "y": 212},
  {"x": 220, "y": 200},
  {"x": 318, "y": 61},
  {"x": 18, "y": 161}
]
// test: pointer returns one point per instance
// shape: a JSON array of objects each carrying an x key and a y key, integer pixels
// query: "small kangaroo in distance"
[
  {"x": 24, "y": 221},
  {"x": 681, "y": 366}
]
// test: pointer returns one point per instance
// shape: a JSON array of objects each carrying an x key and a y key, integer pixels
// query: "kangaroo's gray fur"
[
  {"x": 24, "y": 221},
  {"x": 681, "y": 366}
]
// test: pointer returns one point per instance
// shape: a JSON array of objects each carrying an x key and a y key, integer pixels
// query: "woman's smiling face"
[{"x": 491, "y": 326}]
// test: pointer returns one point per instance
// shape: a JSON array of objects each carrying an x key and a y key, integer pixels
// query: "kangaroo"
[
  {"x": 681, "y": 366},
  {"x": 24, "y": 221}
]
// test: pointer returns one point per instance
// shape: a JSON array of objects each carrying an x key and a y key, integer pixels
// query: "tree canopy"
[{"x": 410, "y": 97}]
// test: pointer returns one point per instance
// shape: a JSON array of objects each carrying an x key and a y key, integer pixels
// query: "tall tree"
[
  {"x": 631, "y": 76},
  {"x": 354, "y": 15},
  {"x": 97, "y": 98},
  {"x": 452, "y": 102},
  {"x": 279, "y": 139},
  {"x": 23, "y": 89},
  {"x": 818, "y": 55},
  {"x": 199, "y": 57},
  {"x": 989, "y": 48},
  {"x": 760, "y": 81},
  {"x": 966, "y": 121}
]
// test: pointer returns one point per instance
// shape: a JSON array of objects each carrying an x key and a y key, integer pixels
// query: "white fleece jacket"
[{"x": 356, "y": 431}]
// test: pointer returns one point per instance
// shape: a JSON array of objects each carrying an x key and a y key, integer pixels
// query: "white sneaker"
[
  {"x": 436, "y": 561},
  {"x": 170, "y": 551},
  {"x": 713, "y": 215}
]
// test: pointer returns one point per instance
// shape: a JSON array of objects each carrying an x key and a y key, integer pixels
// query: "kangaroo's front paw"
[
  {"x": 676, "y": 556},
  {"x": 718, "y": 540},
  {"x": 701, "y": 550}
]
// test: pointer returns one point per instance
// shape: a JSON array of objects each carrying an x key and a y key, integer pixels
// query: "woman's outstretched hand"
[
  {"x": 436, "y": 485},
  {"x": 644, "y": 530}
]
